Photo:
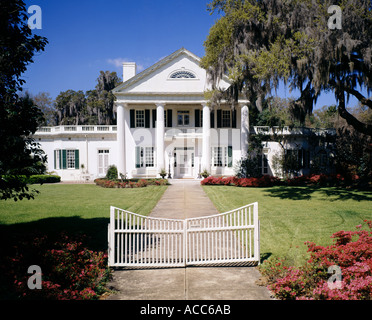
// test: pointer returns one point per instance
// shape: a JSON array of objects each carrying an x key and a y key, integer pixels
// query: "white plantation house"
[{"x": 163, "y": 121}]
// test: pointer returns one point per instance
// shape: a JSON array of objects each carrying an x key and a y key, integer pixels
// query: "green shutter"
[
  {"x": 55, "y": 159},
  {"x": 138, "y": 157},
  {"x": 77, "y": 159},
  {"x": 230, "y": 157},
  {"x": 64, "y": 159}
]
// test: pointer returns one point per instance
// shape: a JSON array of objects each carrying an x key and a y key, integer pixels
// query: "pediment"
[{"x": 179, "y": 73}]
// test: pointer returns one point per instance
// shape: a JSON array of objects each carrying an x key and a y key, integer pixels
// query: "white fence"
[{"x": 231, "y": 238}]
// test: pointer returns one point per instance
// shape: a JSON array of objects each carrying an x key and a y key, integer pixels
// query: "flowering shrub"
[
  {"x": 103, "y": 182},
  {"x": 322, "y": 180},
  {"x": 352, "y": 252},
  {"x": 69, "y": 270},
  {"x": 264, "y": 181}
]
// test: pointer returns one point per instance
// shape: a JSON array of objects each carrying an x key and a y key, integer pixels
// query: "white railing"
[
  {"x": 76, "y": 129},
  {"x": 230, "y": 238},
  {"x": 294, "y": 131}
]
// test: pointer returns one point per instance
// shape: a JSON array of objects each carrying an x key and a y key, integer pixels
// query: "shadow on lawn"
[
  {"x": 94, "y": 229},
  {"x": 328, "y": 193}
]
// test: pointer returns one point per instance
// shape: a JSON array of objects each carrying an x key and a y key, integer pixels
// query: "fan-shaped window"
[{"x": 182, "y": 74}]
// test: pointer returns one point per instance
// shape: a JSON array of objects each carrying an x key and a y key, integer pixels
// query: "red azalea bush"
[
  {"x": 103, "y": 182},
  {"x": 69, "y": 270},
  {"x": 322, "y": 180},
  {"x": 351, "y": 252},
  {"x": 264, "y": 181}
]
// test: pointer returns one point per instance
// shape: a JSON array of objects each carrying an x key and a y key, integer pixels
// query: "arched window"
[{"x": 182, "y": 74}]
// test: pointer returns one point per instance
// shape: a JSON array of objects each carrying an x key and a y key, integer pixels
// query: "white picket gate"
[{"x": 227, "y": 239}]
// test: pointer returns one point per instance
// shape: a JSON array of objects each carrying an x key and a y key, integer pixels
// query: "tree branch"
[
  {"x": 350, "y": 119},
  {"x": 365, "y": 101}
]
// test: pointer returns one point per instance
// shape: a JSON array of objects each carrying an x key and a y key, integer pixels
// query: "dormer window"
[{"x": 182, "y": 74}]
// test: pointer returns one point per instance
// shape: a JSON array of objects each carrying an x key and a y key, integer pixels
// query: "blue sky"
[{"x": 86, "y": 36}]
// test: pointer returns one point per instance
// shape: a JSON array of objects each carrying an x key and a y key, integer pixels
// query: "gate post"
[
  {"x": 256, "y": 223},
  {"x": 111, "y": 238}
]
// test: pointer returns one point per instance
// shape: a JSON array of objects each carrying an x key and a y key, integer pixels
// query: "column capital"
[
  {"x": 160, "y": 104},
  {"x": 121, "y": 104},
  {"x": 244, "y": 103}
]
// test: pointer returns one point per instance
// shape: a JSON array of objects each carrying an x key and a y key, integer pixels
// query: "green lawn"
[
  {"x": 74, "y": 208},
  {"x": 289, "y": 216}
]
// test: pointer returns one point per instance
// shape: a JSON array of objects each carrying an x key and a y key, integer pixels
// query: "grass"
[
  {"x": 289, "y": 216},
  {"x": 74, "y": 208}
]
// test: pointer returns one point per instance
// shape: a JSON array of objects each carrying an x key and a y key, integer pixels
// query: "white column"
[
  {"x": 160, "y": 136},
  {"x": 244, "y": 130},
  {"x": 120, "y": 122},
  {"x": 206, "y": 149}
]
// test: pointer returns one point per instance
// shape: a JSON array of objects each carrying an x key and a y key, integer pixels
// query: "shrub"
[
  {"x": 264, "y": 181},
  {"x": 69, "y": 270},
  {"x": 130, "y": 183},
  {"x": 112, "y": 173},
  {"x": 352, "y": 252}
]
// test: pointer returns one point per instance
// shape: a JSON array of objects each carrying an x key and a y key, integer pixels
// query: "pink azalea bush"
[
  {"x": 70, "y": 271},
  {"x": 351, "y": 251}
]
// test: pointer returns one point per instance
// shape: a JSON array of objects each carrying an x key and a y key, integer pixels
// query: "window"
[
  {"x": 217, "y": 156},
  {"x": 144, "y": 157},
  {"x": 70, "y": 159},
  {"x": 226, "y": 119},
  {"x": 66, "y": 159},
  {"x": 182, "y": 74},
  {"x": 149, "y": 156},
  {"x": 222, "y": 156},
  {"x": 140, "y": 118},
  {"x": 183, "y": 118},
  {"x": 103, "y": 161}
]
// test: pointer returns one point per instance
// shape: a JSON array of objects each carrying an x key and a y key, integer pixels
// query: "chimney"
[{"x": 129, "y": 70}]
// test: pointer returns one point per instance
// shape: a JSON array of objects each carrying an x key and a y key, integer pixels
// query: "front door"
[{"x": 184, "y": 163}]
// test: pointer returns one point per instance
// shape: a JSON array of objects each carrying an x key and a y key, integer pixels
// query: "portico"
[{"x": 165, "y": 122}]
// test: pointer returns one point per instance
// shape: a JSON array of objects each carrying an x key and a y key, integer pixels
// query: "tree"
[
  {"x": 19, "y": 116},
  {"x": 44, "y": 102},
  {"x": 258, "y": 44},
  {"x": 92, "y": 107}
]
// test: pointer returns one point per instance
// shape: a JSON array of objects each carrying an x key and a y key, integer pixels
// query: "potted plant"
[
  {"x": 205, "y": 174},
  {"x": 163, "y": 173}
]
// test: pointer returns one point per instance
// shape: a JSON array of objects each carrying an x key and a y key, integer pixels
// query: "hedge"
[{"x": 43, "y": 178}]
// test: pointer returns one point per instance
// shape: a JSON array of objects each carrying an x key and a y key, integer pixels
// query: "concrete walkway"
[{"x": 186, "y": 199}]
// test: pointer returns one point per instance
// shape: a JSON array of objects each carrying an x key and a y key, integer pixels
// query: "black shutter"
[
  {"x": 169, "y": 118},
  {"x": 132, "y": 118},
  {"x": 197, "y": 118},
  {"x": 212, "y": 119},
  {"x": 154, "y": 118},
  {"x": 233, "y": 122},
  {"x": 219, "y": 118},
  {"x": 147, "y": 118}
]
